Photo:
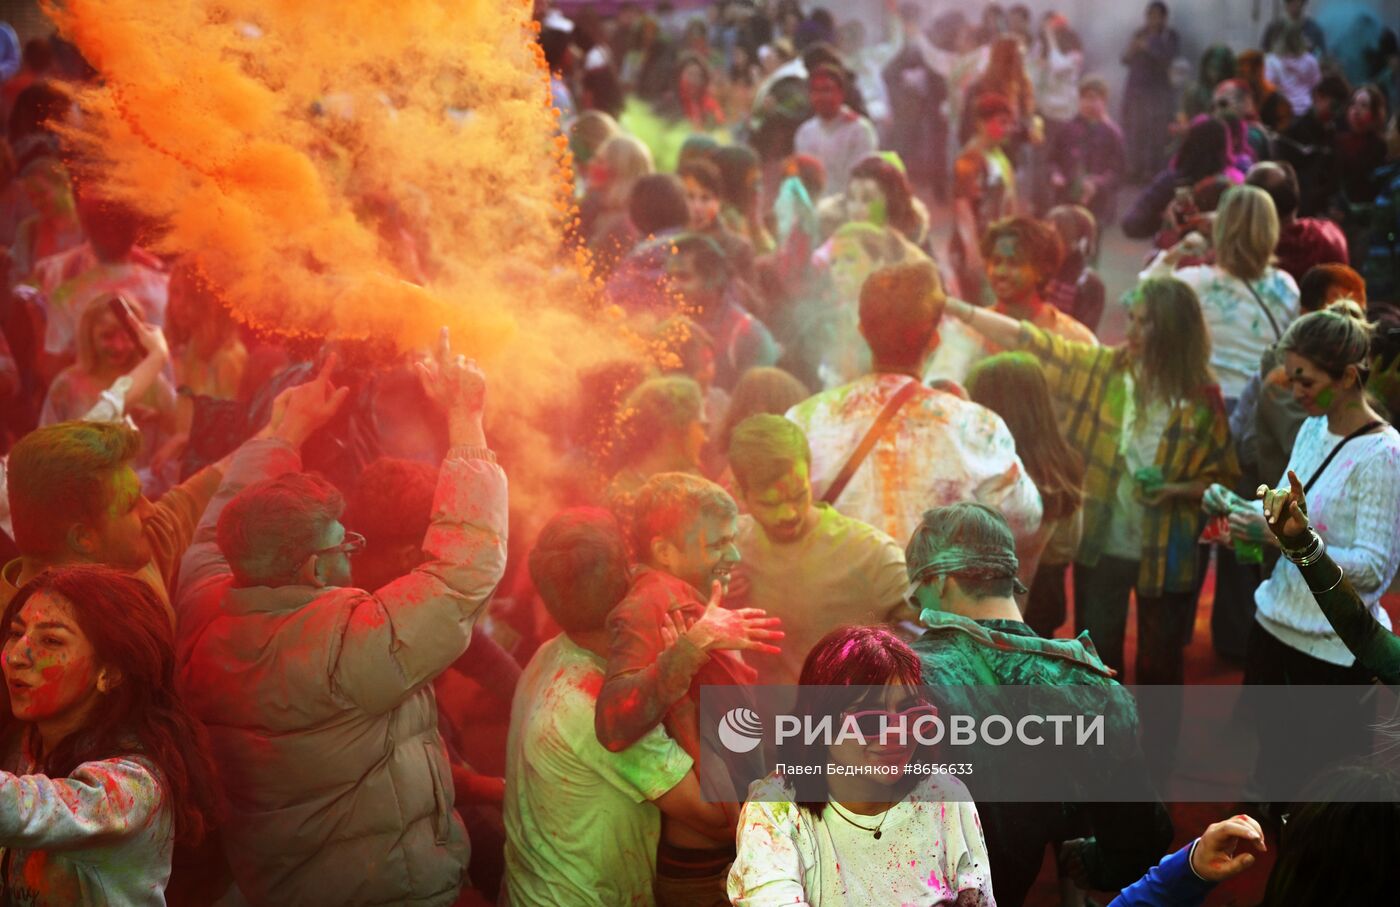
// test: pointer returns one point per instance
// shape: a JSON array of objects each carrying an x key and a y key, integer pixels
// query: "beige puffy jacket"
[{"x": 320, "y": 707}]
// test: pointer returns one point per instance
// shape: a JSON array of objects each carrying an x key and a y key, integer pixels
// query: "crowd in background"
[{"x": 277, "y": 632}]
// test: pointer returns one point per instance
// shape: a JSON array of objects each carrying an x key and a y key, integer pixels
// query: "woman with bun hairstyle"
[{"x": 1348, "y": 459}]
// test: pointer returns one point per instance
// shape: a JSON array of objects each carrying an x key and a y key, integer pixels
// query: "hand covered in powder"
[
  {"x": 453, "y": 381},
  {"x": 740, "y": 628}
]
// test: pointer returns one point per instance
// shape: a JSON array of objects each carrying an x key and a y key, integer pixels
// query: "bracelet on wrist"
[
  {"x": 1341, "y": 575},
  {"x": 1309, "y": 552}
]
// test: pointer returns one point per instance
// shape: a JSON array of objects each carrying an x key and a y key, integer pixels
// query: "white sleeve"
[
  {"x": 1370, "y": 560},
  {"x": 767, "y": 870},
  {"x": 98, "y": 801}
]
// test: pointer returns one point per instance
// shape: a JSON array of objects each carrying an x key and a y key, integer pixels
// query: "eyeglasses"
[
  {"x": 354, "y": 543},
  {"x": 874, "y": 723}
]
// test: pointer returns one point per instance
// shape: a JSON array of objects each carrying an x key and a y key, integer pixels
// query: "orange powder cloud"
[{"x": 352, "y": 169}]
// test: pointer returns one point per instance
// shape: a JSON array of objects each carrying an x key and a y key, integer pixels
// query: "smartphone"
[{"x": 122, "y": 309}]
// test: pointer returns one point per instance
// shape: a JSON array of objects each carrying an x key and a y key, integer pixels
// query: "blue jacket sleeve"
[{"x": 1171, "y": 883}]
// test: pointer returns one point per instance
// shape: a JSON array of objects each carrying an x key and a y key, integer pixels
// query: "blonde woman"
[{"x": 1246, "y": 301}]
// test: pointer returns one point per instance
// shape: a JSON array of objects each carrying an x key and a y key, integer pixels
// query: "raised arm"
[
  {"x": 1376, "y": 648},
  {"x": 414, "y": 628},
  {"x": 996, "y": 327}
]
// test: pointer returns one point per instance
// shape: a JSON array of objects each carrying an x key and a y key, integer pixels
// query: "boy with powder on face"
[
  {"x": 665, "y": 641},
  {"x": 1020, "y": 255}
]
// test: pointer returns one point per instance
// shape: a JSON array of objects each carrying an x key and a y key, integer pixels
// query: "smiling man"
[
  {"x": 802, "y": 561},
  {"x": 665, "y": 642}
]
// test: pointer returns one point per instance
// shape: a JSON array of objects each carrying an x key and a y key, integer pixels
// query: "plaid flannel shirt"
[{"x": 1089, "y": 389}]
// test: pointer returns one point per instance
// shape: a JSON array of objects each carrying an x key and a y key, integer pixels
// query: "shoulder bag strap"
[
  {"x": 1363, "y": 430},
  {"x": 867, "y": 443},
  {"x": 1278, "y": 334}
]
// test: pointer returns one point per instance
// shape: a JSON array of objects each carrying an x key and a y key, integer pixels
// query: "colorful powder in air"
[{"x": 352, "y": 169}]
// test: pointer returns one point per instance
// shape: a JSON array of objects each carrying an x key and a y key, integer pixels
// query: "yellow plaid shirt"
[{"x": 1088, "y": 385}]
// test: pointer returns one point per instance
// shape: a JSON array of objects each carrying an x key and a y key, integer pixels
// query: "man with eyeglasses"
[
  {"x": 962, "y": 572},
  {"x": 318, "y": 696}
]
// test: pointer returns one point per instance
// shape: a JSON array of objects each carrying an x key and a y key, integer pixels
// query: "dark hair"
[
  {"x": 830, "y": 71},
  {"x": 763, "y": 448},
  {"x": 1320, "y": 280},
  {"x": 736, "y": 165},
  {"x": 1013, "y": 386},
  {"x": 37, "y": 55},
  {"x": 708, "y": 257},
  {"x": 130, "y": 633},
  {"x": 392, "y": 502},
  {"x": 657, "y": 203},
  {"x": 35, "y": 109},
  {"x": 857, "y": 657},
  {"x": 1094, "y": 85},
  {"x": 760, "y": 389},
  {"x": 111, "y": 227},
  {"x": 1332, "y": 339},
  {"x": 602, "y": 85},
  {"x": 1204, "y": 152},
  {"x": 705, "y": 173},
  {"x": 1280, "y": 180},
  {"x": 271, "y": 527},
  {"x": 1339, "y": 844},
  {"x": 579, "y": 567},
  {"x": 59, "y": 475},
  {"x": 1040, "y": 245},
  {"x": 969, "y": 526},
  {"x": 555, "y": 44},
  {"x": 1159, "y": 6},
  {"x": 900, "y": 306},
  {"x": 1379, "y": 107},
  {"x": 899, "y": 197},
  {"x": 1334, "y": 88}
]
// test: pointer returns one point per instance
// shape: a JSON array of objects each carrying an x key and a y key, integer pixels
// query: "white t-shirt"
[
  {"x": 579, "y": 827},
  {"x": 839, "y": 143},
  {"x": 930, "y": 848},
  {"x": 841, "y": 572},
  {"x": 938, "y": 449},
  {"x": 1355, "y": 506},
  {"x": 1239, "y": 329}
]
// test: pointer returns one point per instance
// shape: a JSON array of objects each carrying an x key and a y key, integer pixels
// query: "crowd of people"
[{"x": 277, "y": 632}]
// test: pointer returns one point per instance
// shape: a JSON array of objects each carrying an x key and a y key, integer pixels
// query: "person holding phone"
[{"x": 121, "y": 359}]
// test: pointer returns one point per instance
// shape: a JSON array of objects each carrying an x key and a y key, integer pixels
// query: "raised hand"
[
  {"x": 1215, "y": 857},
  {"x": 741, "y": 628},
  {"x": 454, "y": 382},
  {"x": 299, "y": 411},
  {"x": 151, "y": 337},
  {"x": 1285, "y": 510}
]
